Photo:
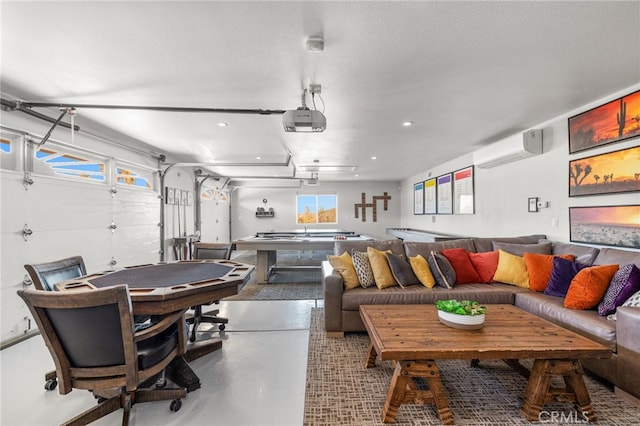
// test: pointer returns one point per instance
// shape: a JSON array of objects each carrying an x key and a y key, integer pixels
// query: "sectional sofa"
[{"x": 621, "y": 336}]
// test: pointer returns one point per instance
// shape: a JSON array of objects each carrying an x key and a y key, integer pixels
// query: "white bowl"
[{"x": 464, "y": 322}]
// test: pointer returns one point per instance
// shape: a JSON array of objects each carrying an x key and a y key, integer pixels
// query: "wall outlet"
[{"x": 554, "y": 222}]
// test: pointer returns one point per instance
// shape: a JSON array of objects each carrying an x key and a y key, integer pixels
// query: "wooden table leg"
[
  {"x": 371, "y": 357},
  {"x": 403, "y": 391},
  {"x": 539, "y": 390},
  {"x": 574, "y": 381}
]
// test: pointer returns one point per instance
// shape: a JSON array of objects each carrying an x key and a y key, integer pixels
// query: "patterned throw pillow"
[
  {"x": 442, "y": 270},
  {"x": 623, "y": 284},
  {"x": 632, "y": 301},
  {"x": 344, "y": 265},
  {"x": 363, "y": 268}
]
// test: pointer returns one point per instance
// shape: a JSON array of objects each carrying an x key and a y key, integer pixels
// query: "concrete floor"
[{"x": 258, "y": 378}]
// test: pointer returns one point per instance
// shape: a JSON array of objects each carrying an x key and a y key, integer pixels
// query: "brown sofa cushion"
[
  {"x": 425, "y": 249},
  {"x": 395, "y": 245},
  {"x": 583, "y": 254},
  {"x": 486, "y": 244}
]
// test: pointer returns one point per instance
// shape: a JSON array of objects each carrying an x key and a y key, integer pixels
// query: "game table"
[
  {"x": 268, "y": 243},
  {"x": 159, "y": 289}
]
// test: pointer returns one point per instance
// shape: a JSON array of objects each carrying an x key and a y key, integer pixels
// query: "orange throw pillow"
[
  {"x": 485, "y": 263},
  {"x": 589, "y": 286},
  {"x": 540, "y": 267}
]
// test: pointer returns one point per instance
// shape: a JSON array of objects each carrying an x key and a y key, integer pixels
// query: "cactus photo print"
[{"x": 608, "y": 123}]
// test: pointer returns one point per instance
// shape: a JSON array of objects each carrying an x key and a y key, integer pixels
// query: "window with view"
[
  {"x": 55, "y": 162},
  {"x": 316, "y": 209}
]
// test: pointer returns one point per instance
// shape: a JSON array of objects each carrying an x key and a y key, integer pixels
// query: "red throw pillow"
[
  {"x": 485, "y": 264},
  {"x": 465, "y": 272},
  {"x": 539, "y": 267},
  {"x": 589, "y": 286}
]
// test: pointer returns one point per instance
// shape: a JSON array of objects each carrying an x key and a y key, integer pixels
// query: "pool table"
[{"x": 268, "y": 243}]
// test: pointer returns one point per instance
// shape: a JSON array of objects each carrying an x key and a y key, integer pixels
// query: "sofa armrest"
[
  {"x": 628, "y": 343},
  {"x": 332, "y": 286},
  {"x": 628, "y": 328}
]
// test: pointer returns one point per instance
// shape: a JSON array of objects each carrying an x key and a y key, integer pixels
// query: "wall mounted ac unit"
[{"x": 511, "y": 149}]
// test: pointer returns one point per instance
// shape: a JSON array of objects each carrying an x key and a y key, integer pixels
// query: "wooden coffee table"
[{"x": 414, "y": 338}]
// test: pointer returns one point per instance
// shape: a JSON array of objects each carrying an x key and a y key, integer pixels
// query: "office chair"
[
  {"x": 208, "y": 251},
  {"x": 46, "y": 275},
  {"x": 91, "y": 340}
]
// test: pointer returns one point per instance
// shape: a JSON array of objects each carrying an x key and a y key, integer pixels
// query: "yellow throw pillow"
[
  {"x": 511, "y": 270},
  {"x": 420, "y": 267},
  {"x": 344, "y": 265},
  {"x": 380, "y": 266}
]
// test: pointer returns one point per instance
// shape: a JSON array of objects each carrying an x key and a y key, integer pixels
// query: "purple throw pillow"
[
  {"x": 563, "y": 272},
  {"x": 623, "y": 284}
]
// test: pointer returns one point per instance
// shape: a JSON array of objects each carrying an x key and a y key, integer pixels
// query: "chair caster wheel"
[
  {"x": 176, "y": 404},
  {"x": 221, "y": 327},
  {"x": 51, "y": 384}
]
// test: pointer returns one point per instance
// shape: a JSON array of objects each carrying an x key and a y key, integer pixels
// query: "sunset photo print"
[
  {"x": 609, "y": 173},
  {"x": 617, "y": 226},
  {"x": 611, "y": 122}
]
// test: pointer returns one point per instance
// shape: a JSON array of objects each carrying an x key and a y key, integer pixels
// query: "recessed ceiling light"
[
  {"x": 357, "y": 175},
  {"x": 407, "y": 123},
  {"x": 258, "y": 158},
  {"x": 222, "y": 124},
  {"x": 374, "y": 158}
]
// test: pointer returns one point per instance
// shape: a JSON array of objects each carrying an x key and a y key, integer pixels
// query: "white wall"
[
  {"x": 71, "y": 217},
  {"x": 501, "y": 193},
  {"x": 245, "y": 200}
]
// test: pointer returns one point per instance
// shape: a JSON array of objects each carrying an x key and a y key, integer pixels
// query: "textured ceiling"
[{"x": 466, "y": 74}]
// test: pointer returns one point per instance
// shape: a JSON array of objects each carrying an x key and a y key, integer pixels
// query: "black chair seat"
[{"x": 154, "y": 349}]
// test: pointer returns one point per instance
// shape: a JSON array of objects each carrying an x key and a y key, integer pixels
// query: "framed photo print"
[
  {"x": 430, "y": 200},
  {"x": 617, "y": 226},
  {"x": 445, "y": 194},
  {"x": 463, "y": 201},
  {"x": 612, "y": 122},
  {"x": 170, "y": 196},
  {"x": 418, "y": 198},
  {"x": 608, "y": 173}
]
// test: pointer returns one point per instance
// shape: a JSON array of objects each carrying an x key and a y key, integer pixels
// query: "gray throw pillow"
[
  {"x": 442, "y": 270},
  {"x": 401, "y": 270}
]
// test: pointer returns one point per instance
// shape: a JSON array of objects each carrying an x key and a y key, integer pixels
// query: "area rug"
[
  {"x": 341, "y": 391},
  {"x": 303, "y": 284}
]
